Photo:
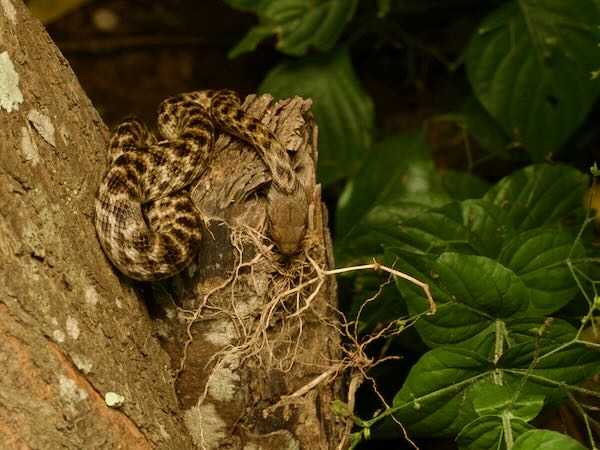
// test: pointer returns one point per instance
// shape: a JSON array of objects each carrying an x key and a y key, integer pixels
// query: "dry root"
[{"x": 292, "y": 295}]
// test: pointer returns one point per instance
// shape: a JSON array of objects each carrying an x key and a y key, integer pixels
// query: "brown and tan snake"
[{"x": 145, "y": 220}]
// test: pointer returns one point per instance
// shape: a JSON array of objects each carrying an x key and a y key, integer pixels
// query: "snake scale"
[{"x": 145, "y": 220}]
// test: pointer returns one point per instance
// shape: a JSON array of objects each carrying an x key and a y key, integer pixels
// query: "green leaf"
[
  {"x": 398, "y": 217},
  {"x": 342, "y": 109},
  {"x": 381, "y": 227},
  {"x": 482, "y": 126},
  {"x": 470, "y": 226},
  {"x": 246, "y": 5},
  {"x": 488, "y": 433},
  {"x": 531, "y": 329},
  {"x": 251, "y": 40},
  {"x": 474, "y": 296},
  {"x": 419, "y": 266},
  {"x": 491, "y": 399},
  {"x": 453, "y": 324},
  {"x": 540, "y": 195},
  {"x": 548, "y": 358},
  {"x": 341, "y": 409},
  {"x": 539, "y": 257},
  {"x": 298, "y": 24},
  {"x": 432, "y": 399},
  {"x": 383, "y": 7},
  {"x": 566, "y": 365},
  {"x": 397, "y": 169},
  {"x": 546, "y": 440},
  {"x": 449, "y": 387},
  {"x": 481, "y": 284},
  {"x": 463, "y": 185},
  {"x": 529, "y": 64}
]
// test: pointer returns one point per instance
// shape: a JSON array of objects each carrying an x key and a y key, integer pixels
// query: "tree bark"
[{"x": 215, "y": 358}]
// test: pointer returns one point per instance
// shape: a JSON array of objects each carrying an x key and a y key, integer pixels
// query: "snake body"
[{"x": 145, "y": 220}]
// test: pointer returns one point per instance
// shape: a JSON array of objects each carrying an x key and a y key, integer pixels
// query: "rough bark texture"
[
  {"x": 252, "y": 337},
  {"x": 72, "y": 330}
]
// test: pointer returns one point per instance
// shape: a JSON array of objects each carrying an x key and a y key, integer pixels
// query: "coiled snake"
[{"x": 145, "y": 220}]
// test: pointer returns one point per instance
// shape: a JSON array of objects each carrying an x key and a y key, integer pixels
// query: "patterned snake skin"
[{"x": 145, "y": 220}]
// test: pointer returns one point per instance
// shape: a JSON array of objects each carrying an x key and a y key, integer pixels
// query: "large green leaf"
[
  {"x": 453, "y": 323},
  {"x": 400, "y": 210},
  {"x": 479, "y": 124},
  {"x": 395, "y": 167},
  {"x": 531, "y": 329},
  {"x": 548, "y": 365},
  {"x": 432, "y": 400},
  {"x": 540, "y": 195},
  {"x": 529, "y": 64},
  {"x": 298, "y": 24},
  {"x": 397, "y": 181},
  {"x": 444, "y": 392},
  {"x": 480, "y": 301},
  {"x": 381, "y": 226},
  {"x": 463, "y": 185},
  {"x": 539, "y": 257},
  {"x": 481, "y": 284},
  {"x": 474, "y": 295},
  {"x": 546, "y": 440},
  {"x": 548, "y": 357},
  {"x": 342, "y": 109},
  {"x": 470, "y": 226},
  {"x": 488, "y": 433},
  {"x": 491, "y": 399}
]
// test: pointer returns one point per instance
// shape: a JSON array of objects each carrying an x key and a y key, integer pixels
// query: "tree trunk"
[{"x": 224, "y": 356}]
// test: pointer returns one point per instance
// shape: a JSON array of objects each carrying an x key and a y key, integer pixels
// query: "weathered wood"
[
  {"x": 73, "y": 330},
  {"x": 249, "y": 344}
]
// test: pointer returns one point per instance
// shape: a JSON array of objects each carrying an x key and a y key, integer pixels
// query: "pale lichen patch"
[
  {"x": 91, "y": 296},
  {"x": 205, "y": 425},
  {"x": 43, "y": 126},
  {"x": 69, "y": 391},
  {"x": 9, "y": 10},
  {"x": 82, "y": 363},
  {"x": 10, "y": 95},
  {"x": 221, "y": 332},
  {"x": 225, "y": 384},
  {"x": 58, "y": 336},
  {"x": 72, "y": 328},
  {"x": 29, "y": 149}
]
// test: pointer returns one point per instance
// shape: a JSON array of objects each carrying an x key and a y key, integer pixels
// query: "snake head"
[{"x": 288, "y": 216}]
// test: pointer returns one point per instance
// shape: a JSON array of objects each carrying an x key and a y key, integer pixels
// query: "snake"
[{"x": 145, "y": 220}]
